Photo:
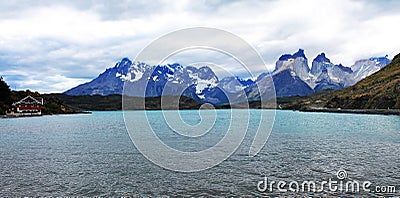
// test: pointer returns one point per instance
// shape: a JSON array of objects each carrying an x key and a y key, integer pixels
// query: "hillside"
[
  {"x": 378, "y": 91},
  {"x": 114, "y": 102}
]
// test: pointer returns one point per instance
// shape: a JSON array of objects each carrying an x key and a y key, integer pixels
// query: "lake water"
[{"x": 91, "y": 155}]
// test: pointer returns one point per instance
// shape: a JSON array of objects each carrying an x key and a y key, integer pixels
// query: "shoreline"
[
  {"x": 318, "y": 110},
  {"x": 354, "y": 111},
  {"x": 26, "y": 116}
]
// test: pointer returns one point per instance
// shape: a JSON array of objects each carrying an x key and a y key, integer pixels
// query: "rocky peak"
[
  {"x": 298, "y": 54},
  {"x": 321, "y": 58},
  {"x": 297, "y": 63},
  {"x": 320, "y": 63}
]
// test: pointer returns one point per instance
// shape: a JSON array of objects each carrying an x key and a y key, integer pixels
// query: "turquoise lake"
[{"x": 93, "y": 155}]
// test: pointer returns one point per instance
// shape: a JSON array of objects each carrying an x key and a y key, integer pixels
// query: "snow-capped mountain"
[
  {"x": 323, "y": 75},
  {"x": 289, "y": 78},
  {"x": 286, "y": 83},
  {"x": 109, "y": 82},
  {"x": 292, "y": 76},
  {"x": 143, "y": 80},
  {"x": 296, "y": 64},
  {"x": 234, "y": 84},
  {"x": 366, "y": 67},
  {"x": 330, "y": 76},
  {"x": 326, "y": 75}
]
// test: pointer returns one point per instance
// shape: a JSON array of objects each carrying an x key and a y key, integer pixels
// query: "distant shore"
[
  {"x": 354, "y": 111},
  {"x": 20, "y": 116}
]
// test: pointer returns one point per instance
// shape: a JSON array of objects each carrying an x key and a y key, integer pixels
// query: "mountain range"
[
  {"x": 380, "y": 90},
  {"x": 377, "y": 93},
  {"x": 291, "y": 77}
]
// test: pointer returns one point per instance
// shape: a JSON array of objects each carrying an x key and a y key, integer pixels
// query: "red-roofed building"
[{"x": 28, "y": 106}]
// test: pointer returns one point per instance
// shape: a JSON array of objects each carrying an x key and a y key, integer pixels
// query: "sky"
[{"x": 52, "y": 46}]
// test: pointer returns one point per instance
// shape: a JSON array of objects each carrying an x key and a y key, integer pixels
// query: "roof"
[{"x": 29, "y": 100}]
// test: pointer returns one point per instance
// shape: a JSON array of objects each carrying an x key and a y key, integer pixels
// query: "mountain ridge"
[
  {"x": 291, "y": 77},
  {"x": 380, "y": 90}
]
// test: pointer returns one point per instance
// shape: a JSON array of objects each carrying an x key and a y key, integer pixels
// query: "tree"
[{"x": 5, "y": 96}]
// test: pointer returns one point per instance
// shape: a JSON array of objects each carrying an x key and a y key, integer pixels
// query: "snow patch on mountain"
[{"x": 366, "y": 67}]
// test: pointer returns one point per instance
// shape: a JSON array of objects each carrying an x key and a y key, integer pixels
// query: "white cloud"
[{"x": 76, "y": 40}]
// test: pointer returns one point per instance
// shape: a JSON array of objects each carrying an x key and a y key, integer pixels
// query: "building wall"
[{"x": 28, "y": 108}]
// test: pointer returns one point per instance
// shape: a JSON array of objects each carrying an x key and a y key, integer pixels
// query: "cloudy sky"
[{"x": 51, "y": 46}]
